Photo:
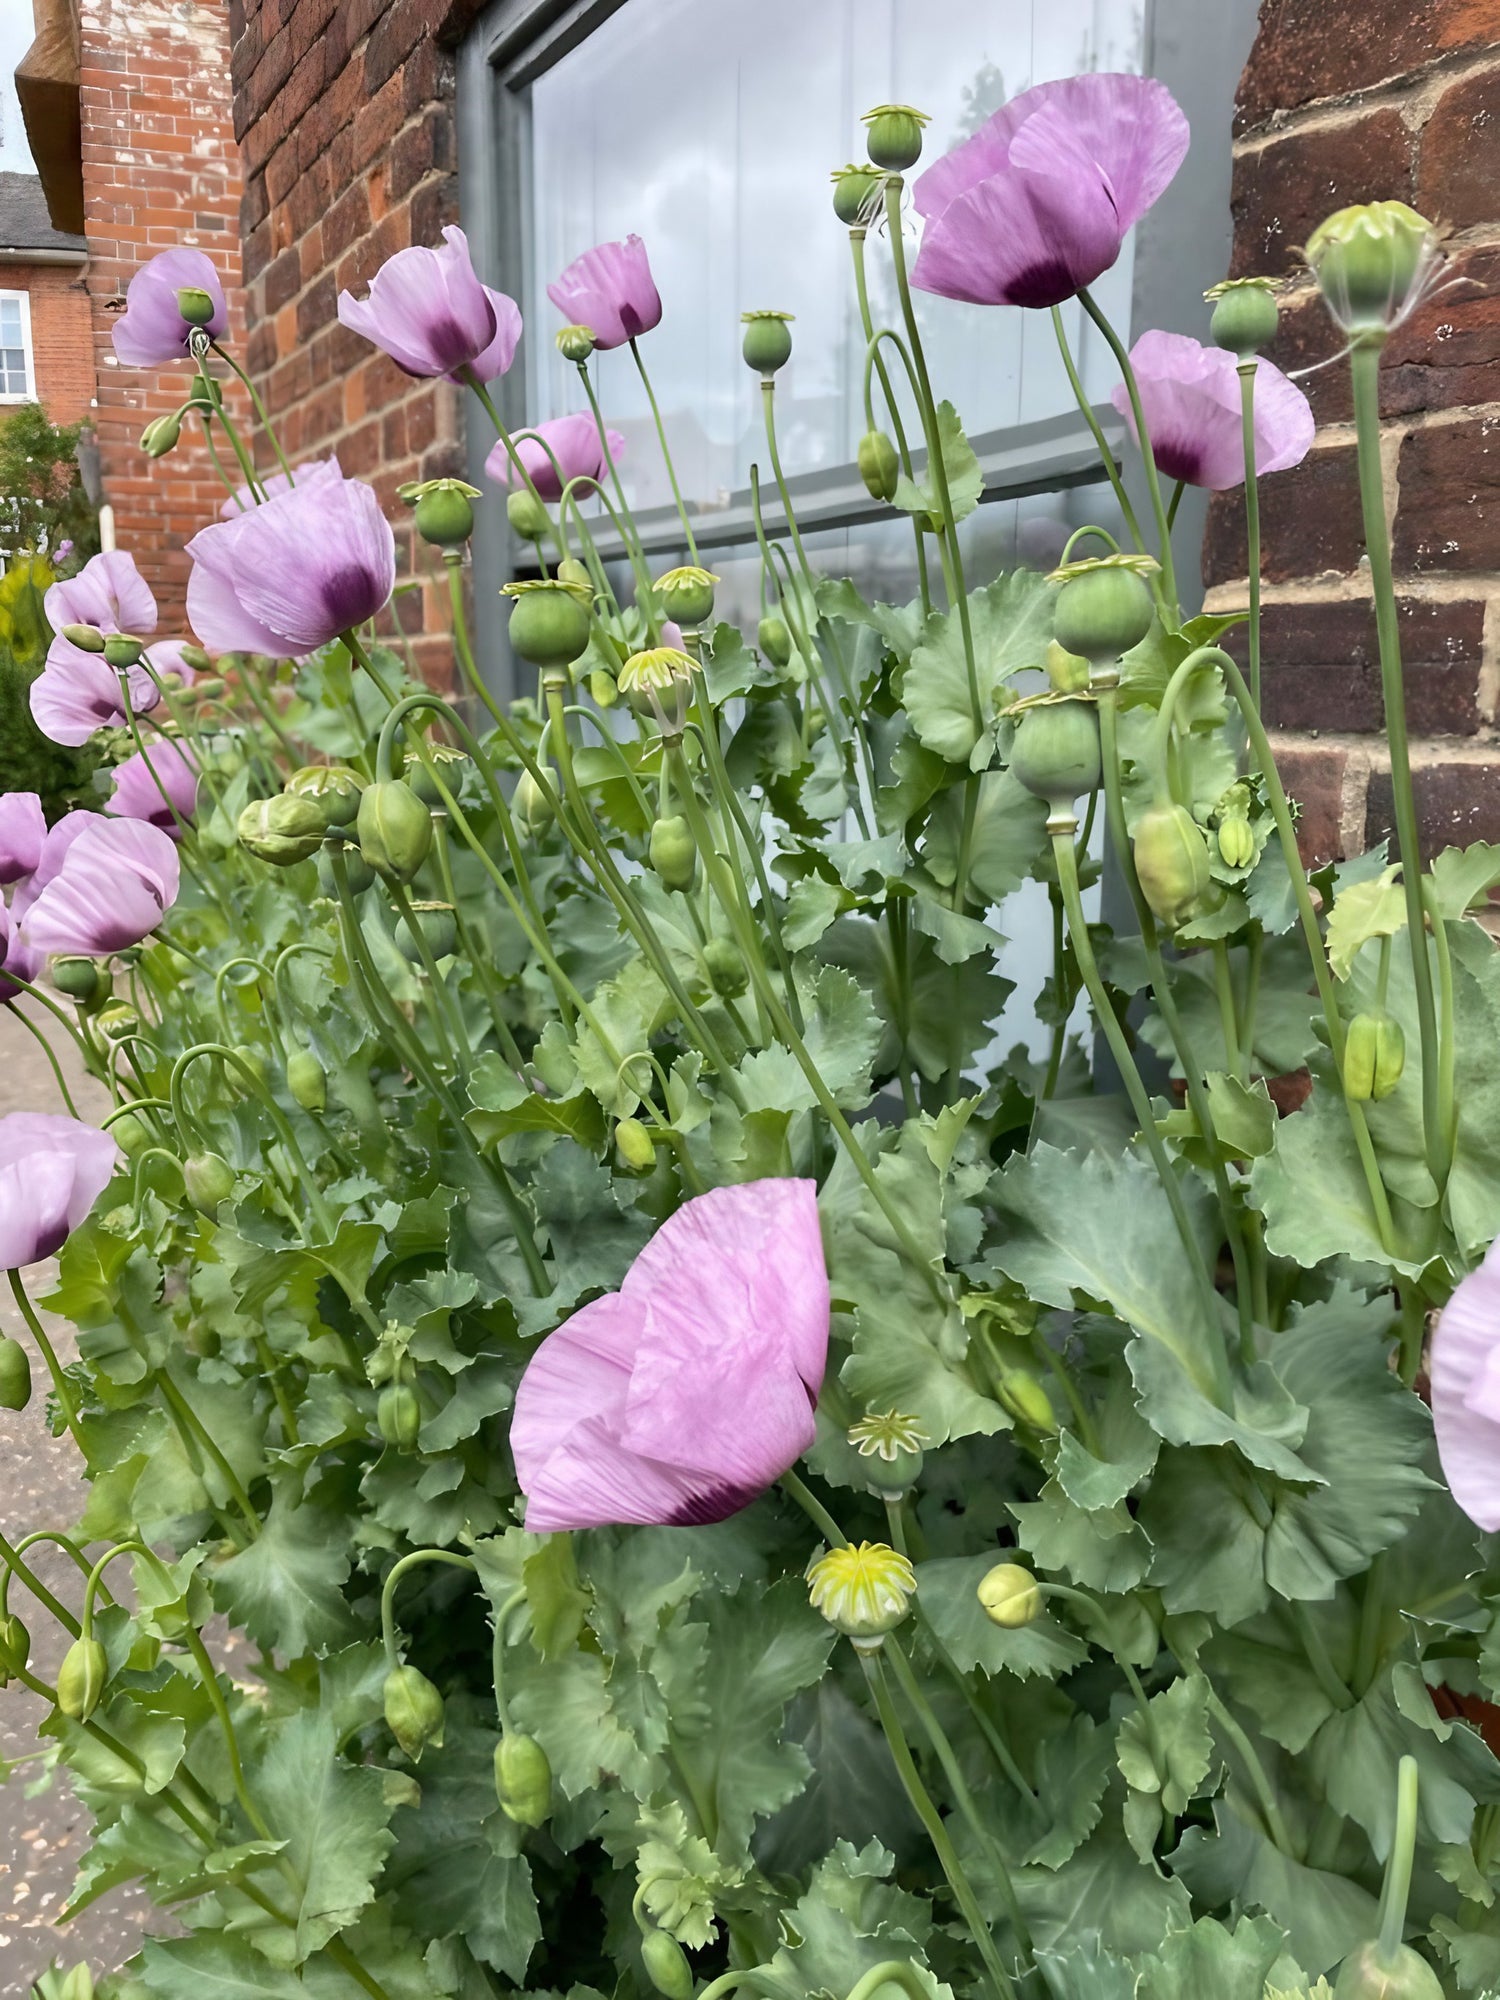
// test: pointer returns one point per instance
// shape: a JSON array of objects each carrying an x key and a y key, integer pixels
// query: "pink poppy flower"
[
  {"x": 23, "y": 830},
  {"x": 1039, "y": 201},
  {"x": 1465, "y": 1375},
  {"x": 572, "y": 441},
  {"x": 242, "y": 500},
  {"x": 76, "y": 693},
  {"x": 428, "y": 311},
  {"x": 52, "y": 1171},
  {"x": 108, "y": 593},
  {"x": 154, "y": 781},
  {"x": 101, "y": 885},
  {"x": 679, "y": 1398},
  {"x": 611, "y": 291},
  {"x": 152, "y": 329},
  {"x": 1190, "y": 395}
]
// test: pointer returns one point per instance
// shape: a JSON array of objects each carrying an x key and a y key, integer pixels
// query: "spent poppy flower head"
[
  {"x": 611, "y": 291},
  {"x": 294, "y": 573},
  {"x": 679, "y": 1398},
  {"x": 564, "y": 448},
  {"x": 428, "y": 311},
  {"x": 242, "y": 500},
  {"x": 152, "y": 328},
  {"x": 23, "y": 831},
  {"x": 100, "y": 886},
  {"x": 1039, "y": 201},
  {"x": 108, "y": 593},
  {"x": 77, "y": 693},
  {"x": 52, "y": 1171},
  {"x": 1190, "y": 398},
  {"x": 1465, "y": 1374},
  {"x": 149, "y": 785}
]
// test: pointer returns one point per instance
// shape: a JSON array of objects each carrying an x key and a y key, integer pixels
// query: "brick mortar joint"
[{"x": 1427, "y": 81}]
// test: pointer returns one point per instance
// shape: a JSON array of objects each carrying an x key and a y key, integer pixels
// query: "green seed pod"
[
  {"x": 399, "y": 1416},
  {"x": 674, "y": 853},
  {"x": 306, "y": 1080},
  {"x": 528, "y": 515},
  {"x": 1023, "y": 1395},
  {"x": 1056, "y": 750},
  {"x": 1374, "y": 1056},
  {"x": 667, "y": 1965},
  {"x": 1245, "y": 316},
  {"x": 117, "y": 1021},
  {"x": 449, "y": 764},
  {"x": 549, "y": 622},
  {"x": 1367, "y": 1974},
  {"x": 767, "y": 345},
  {"x": 333, "y": 788},
  {"x": 774, "y": 640},
  {"x": 575, "y": 343},
  {"x": 81, "y": 1679},
  {"x": 633, "y": 1143},
  {"x": 1371, "y": 262},
  {"x": 533, "y": 806},
  {"x": 208, "y": 1179},
  {"x": 1102, "y": 612},
  {"x": 853, "y": 189},
  {"x": 196, "y": 305},
  {"x": 1236, "y": 841},
  {"x": 82, "y": 979},
  {"x": 15, "y": 1648},
  {"x": 879, "y": 467},
  {"x": 130, "y": 1135},
  {"x": 686, "y": 594},
  {"x": 438, "y": 927},
  {"x": 121, "y": 651},
  {"x": 894, "y": 136},
  {"x": 413, "y": 1710},
  {"x": 15, "y": 1374},
  {"x": 724, "y": 963},
  {"x": 357, "y": 873},
  {"x": 283, "y": 830},
  {"x": 523, "y": 1779},
  {"x": 444, "y": 515},
  {"x": 1171, "y": 862},
  {"x": 394, "y": 829},
  {"x": 1068, "y": 672},
  {"x": 1010, "y": 1596}
]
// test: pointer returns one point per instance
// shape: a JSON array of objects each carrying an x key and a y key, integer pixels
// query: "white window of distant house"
[{"x": 17, "y": 375}]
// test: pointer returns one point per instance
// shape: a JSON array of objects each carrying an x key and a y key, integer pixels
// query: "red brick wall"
[
  {"x": 1349, "y": 102},
  {"x": 62, "y": 336},
  {"x": 344, "y": 113},
  {"x": 160, "y": 168}
]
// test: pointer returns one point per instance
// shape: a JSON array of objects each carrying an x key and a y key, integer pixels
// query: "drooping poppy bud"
[
  {"x": 413, "y": 1710},
  {"x": 306, "y": 1080},
  {"x": 15, "y": 1374},
  {"x": 81, "y": 1679},
  {"x": 283, "y": 830},
  {"x": 724, "y": 963},
  {"x": 667, "y": 1965},
  {"x": 1374, "y": 1056},
  {"x": 208, "y": 1179},
  {"x": 879, "y": 466},
  {"x": 523, "y": 1779},
  {"x": 633, "y": 1143},
  {"x": 15, "y": 1648},
  {"x": 674, "y": 852},
  {"x": 774, "y": 639},
  {"x": 1022, "y": 1394},
  {"x": 1171, "y": 861},
  {"x": 1010, "y": 1596},
  {"x": 527, "y": 515},
  {"x": 394, "y": 829},
  {"x": 398, "y": 1416}
]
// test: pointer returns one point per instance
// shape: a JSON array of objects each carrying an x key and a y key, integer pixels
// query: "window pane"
[
  {"x": 13, "y": 370},
  {"x": 719, "y": 157}
]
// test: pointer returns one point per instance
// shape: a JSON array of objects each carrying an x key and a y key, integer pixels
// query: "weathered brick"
[
  {"x": 1320, "y": 666},
  {"x": 1283, "y": 190},
  {"x": 1460, "y": 158},
  {"x": 1313, "y": 775},
  {"x": 1448, "y": 517},
  {"x": 283, "y": 280},
  {"x": 392, "y": 39},
  {"x": 1308, "y": 49},
  {"x": 1457, "y": 804},
  {"x": 317, "y": 305},
  {"x": 1310, "y": 521}
]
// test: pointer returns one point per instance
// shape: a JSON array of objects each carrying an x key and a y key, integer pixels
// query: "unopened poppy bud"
[
  {"x": 398, "y": 1416},
  {"x": 247, "y": 1071},
  {"x": 1056, "y": 750},
  {"x": 1245, "y": 315},
  {"x": 208, "y": 1179},
  {"x": 534, "y": 805},
  {"x": 15, "y": 1374},
  {"x": 575, "y": 343},
  {"x": 863, "y": 1588},
  {"x": 774, "y": 639},
  {"x": 306, "y": 1080},
  {"x": 413, "y": 1710},
  {"x": 724, "y": 963},
  {"x": 1374, "y": 1056},
  {"x": 674, "y": 853},
  {"x": 87, "y": 638},
  {"x": 82, "y": 979},
  {"x": 1171, "y": 862},
  {"x": 686, "y": 595},
  {"x": 394, "y": 829},
  {"x": 549, "y": 621},
  {"x": 1236, "y": 838},
  {"x": 443, "y": 760},
  {"x": 894, "y": 136},
  {"x": 894, "y": 1443},
  {"x": 1010, "y": 1596},
  {"x": 161, "y": 435},
  {"x": 1368, "y": 1973},
  {"x": 15, "y": 1648},
  {"x": 604, "y": 689},
  {"x": 879, "y": 467},
  {"x": 667, "y": 1965},
  {"x": 527, "y": 514},
  {"x": 633, "y": 1143},
  {"x": 767, "y": 345},
  {"x": 1104, "y": 607},
  {"x": 523, "y": 1779},
  {"x": 81, "y": 1679},
  {"x": 121, "y": 651},
  {"x": 194, "y": 657},
  {"x": 855, "y": 189},
  {"x": 1025, "y": 1398},
  {"x": 130, "y": 1135},
  {"x": 195, "y": 305},
  {"x": 1374, "y": 262},
  {"x": 333, "y": 788},
  {"x": 444, "y": 512},
  {"x": 283, "y": 830},
  {"x": 437, "y": 927},
  {"x": 205, "y": 395},
  {"x": 1067, "y": 672}
]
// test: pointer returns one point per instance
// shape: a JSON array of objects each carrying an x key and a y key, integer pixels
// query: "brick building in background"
[
  {"x": 151, "y": 162},
  {"x": 1347, "y": 100},
  {"x": 44, "y": 266}
]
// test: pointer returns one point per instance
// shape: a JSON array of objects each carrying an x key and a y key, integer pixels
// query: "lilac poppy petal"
[
  {"x": 1190, "y": 395},
  {"x": 573, "y": 442},
  {"x": 427, "y": 309},
  {"x": 52, "y": 1171},
  {"x": 152, "y": 330},
  {"x": 108, "y": 592},
  {"x": 1127, "y": 130},
  {"x": 76, "y": 694},
  {"x": 495, "y": 359},
  {"x": 1019, "y": 240},
  {"x": 149, "y": 785},
  {"x": 1463, "y": 1399},
  {"x": 309, "y": 473},
  {"x": 23, "y": 830},
  {"x": 55, "y": 850},
  {"x": 610, "y": 290},
  {"x": 116, "y": 880},
  {"x": 213, "y": 606}
]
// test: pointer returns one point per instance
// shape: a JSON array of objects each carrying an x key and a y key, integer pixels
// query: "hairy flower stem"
[
  {"x": 50, "y": 1053},
  {"x": 1211, "y": 1346},
  {"x": 625, "y": 521},
  {"x": 937, "y": 1831},
  {"x": 875, "y": 359},
  {"x": 14, "y": 1566},
  {"x": 1101, "y": 443},
  {"x": 661, "y": 438},
  {"x": 1148, "y": 457},
  {"x": 1364, "y": 366},
  {"x": 1246, "y": 372},
  {"x": 393, "y": 1576}
]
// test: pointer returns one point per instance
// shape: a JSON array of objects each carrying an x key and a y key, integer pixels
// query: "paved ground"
[{"x": 40, "y": 1487}]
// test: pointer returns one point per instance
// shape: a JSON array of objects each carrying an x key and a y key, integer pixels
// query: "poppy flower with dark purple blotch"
[
  {"x": 611, "y": 291},
  {"x": 429, "y": 312},
  {"x": 1190, "y": 398},
  {"x": 153, "y": 329},
  {"x": 566, "y": 446},
  {"x": 52, "y": 1171}
]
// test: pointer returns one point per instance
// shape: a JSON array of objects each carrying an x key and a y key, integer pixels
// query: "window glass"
[
  {"x": 12, "y": 347},
  {"x": 716, "y": 149}
]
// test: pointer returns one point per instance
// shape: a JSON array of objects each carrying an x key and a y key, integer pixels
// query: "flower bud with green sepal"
[
  {"x": 398, "y": 1416},
  {"x": 527, "y": 514},
  {"x": 1374, "y": 1056},
  {"x": 1236, "y": 841},
  {"x": 674, "y": 852},
  {"x": 1171, "y": 861},
  {"x": 413, "y": 1711},
  {"x": 879, "y": 466},
  {"x": 894, "y": 136},
  {"x": 549, "y": 621},
  {"x": 15, "y": 1648},
  {"x": 667, "y": 1965},
  {"x": 81, "y": 1679},
  {"x": 534, "y": 806},
  {"x": 15, "y": 1374},
  {"x": 767, "y": 345},
  {"x": 774, "y": 639},
  {"x": 87, "y": 638},
  {"x": 523, "y": 1779},
  {"x": 1104, "y": 607},
  {"x": 856, "y": 193},
  {"x": 1009, "y": 1596},
  {"x": 161, "y": 435},
  {"x": 634, "y": 1147},
  {"x": 394, "y": 829},
  {"x": 208, "y": 1179},
  {"x": 333, "y": 788},
  {"x": 1244, "y": 316},
  {"x": 130, "y": 1134},
  {"x": 863, "y": 1588},
  {"x": 1022, "y": 1394},
  {"x": 307, "y": 1081},
  {"x": 283, "y": 830},
  {"x": 724, "y": 963}
]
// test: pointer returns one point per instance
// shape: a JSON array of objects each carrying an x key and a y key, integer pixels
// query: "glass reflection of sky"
[{"x": 709, "y": 128}]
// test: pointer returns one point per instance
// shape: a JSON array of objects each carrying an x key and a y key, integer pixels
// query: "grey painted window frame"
[{"x": 1196, "y": 47}]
